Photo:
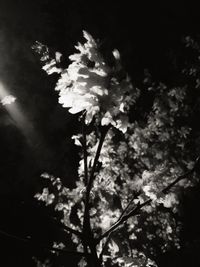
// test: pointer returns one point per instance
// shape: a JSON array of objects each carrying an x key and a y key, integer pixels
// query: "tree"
[{"x": 137, "y": 156}]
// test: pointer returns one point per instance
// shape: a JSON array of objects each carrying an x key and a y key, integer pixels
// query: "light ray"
[{"x": 16, "y": 113}]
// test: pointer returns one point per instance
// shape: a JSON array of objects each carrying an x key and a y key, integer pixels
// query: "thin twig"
[
  {"x": 35, "y": 243},
  {"x": 123, "y": 219},
  {"x": 128, "y": 205},
  {"x": 67, "y": 228},
  {"x": 122, "y": 214}
]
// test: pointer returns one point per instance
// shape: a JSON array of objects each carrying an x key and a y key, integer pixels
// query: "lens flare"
[{"x": 9, "y": 102}]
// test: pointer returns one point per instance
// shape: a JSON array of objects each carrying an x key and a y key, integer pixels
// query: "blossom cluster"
[{"x": 90, "y": 84}]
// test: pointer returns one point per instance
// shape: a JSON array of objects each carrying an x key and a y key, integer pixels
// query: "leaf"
[{"x": 113, "y": 246}]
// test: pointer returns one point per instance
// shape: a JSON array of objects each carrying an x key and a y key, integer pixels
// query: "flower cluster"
[{"x": 90, "y": 84}]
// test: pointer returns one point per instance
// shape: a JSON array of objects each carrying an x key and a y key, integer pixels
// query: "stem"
[
  {"x": 86, "y": 224},
  {"x": 85, "y": 247},
  {"x": 85, "y": 151},
  {"x": 94, "y": 257},
  {"x": 87, "y": 231},
  {"x": 90, "y": 183}
]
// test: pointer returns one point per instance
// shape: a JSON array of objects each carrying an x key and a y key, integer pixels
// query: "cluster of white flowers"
[{"x": 90, "y": 84}]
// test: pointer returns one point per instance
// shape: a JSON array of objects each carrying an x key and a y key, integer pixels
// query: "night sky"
[{"x": 148, "y": 36}]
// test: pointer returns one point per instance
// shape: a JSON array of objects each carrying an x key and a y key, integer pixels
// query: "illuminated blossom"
[{"x": 90, "y": 84}]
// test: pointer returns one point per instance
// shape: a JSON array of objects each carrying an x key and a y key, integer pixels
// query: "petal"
[{"x": 75, "y": 109}]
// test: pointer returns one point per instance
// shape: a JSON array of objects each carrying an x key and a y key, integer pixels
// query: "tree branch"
[
  {"x": 136, "y": 210},
  {"x": 122, "y": 214},
  {"x": 128, "y": 205},
  {"x": 123, "y": 219}
]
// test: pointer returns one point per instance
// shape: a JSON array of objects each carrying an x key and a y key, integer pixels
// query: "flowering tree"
[{"x": 123, "y": 210}]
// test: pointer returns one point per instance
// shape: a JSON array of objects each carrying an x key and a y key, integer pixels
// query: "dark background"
[{"x": 147, "y": 34}]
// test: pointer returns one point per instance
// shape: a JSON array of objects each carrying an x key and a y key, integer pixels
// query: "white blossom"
[{"x": 90, "y": 84}]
